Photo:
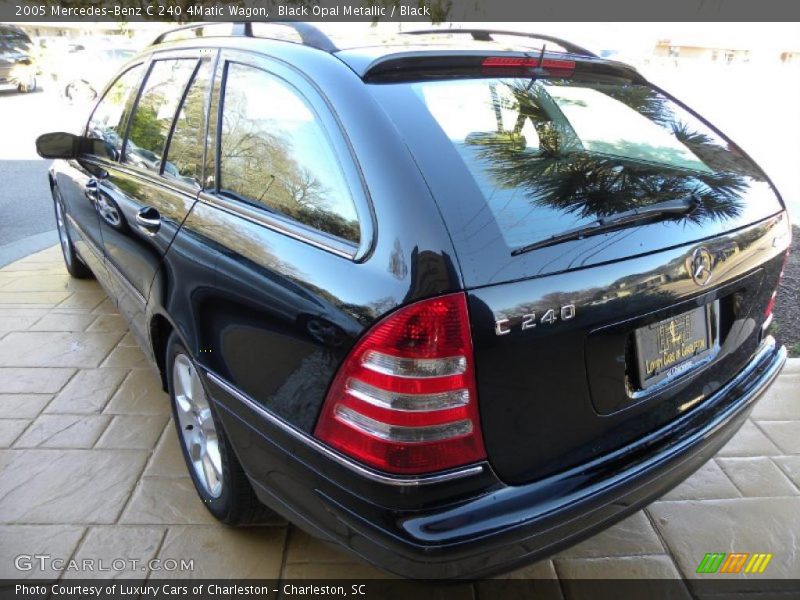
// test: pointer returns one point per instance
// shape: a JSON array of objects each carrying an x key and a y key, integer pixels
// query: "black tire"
[
  {"x": 236, "y": 502},
  {"x": 75, "y": 265}
]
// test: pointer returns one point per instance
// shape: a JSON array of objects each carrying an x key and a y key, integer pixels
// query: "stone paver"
[
  {"x": 63, "y": 322},
  {"x": 741, "y": 525},
  {"x": 55, "y": 349},
  {"x": 791, "y": 466},
  {"x": 785, "y": 434},
  {"x": 618, "y": 567},
  {"x": 84, "y": 301},
  {"x": 757, "y": 477},
  {"x": 67, "y": 486},
  {"x": 88, "y": 392},
  {"x": 646, "y": 570},
  {"x": 139, "y": 544},
  {"x": 635, "y": 535},
  {"x": 133, "y": 431},
  {"x": 10, "y": 322},
  {"x": 167, "y": 460},
  {"x": 258, "y": 554},
  {"x": 63, "y": 431},
  {"x": 10, "y": 430},
  {"x": 33, "y": 381},
  {"x": 126, "y": 356},
  {"x": 107, "y": 323},
  {"x": 55, "y": 540},
  {"x": 709, "y": 482},
  {"x": 139, "y": 394},
  {"x": 166, "y": 502},
  {"x": 90, "y": 468},
  {"x": 22, "y": 406},
  {"x": 750, "y": 441},
  {"x": 538, "y": 581},
  {"x": 782, "y": 400}
]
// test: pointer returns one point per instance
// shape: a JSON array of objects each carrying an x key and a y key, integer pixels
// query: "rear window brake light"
[{"x": 527, "y": 62}]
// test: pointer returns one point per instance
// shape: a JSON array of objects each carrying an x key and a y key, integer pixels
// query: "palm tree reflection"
[{"x": 562, "y": 174}]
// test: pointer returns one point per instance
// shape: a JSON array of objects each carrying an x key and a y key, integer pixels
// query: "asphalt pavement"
[{"x": 27, "y": 223}]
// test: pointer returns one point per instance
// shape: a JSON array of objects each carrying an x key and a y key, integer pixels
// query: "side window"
[
  {"x": 153, "y": 115},
  {"x": 275, "y": 153},
  {"x": 184, "y": 157},
  {"x": 106, "y": 123}
]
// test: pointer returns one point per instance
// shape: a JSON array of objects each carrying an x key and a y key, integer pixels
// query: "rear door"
[
  {"x": 147, "y": 195},
  {"x": 586, "y": 345},
  {"x": 288, "y": 215}
]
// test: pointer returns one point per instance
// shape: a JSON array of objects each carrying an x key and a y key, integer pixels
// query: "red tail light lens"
[{"x": 404, "y": 400}]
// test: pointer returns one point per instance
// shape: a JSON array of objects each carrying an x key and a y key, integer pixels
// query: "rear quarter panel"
[{"x": 273, "y": 315}]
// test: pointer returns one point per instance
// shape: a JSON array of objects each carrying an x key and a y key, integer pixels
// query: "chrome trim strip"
[
  {"x": 402, "y": 433},
  {"x": 321, "y": 448},
  {"x": 297, "y": 232}
]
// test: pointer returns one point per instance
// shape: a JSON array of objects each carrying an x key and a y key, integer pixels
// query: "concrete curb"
[{"x": 22, "y": 248}]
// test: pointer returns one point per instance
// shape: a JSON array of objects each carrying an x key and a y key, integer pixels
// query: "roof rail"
[
  {"x": 197, "y": 29},
  {"x": 309, "y": 34},
  {"x": 485, "y": 35}
]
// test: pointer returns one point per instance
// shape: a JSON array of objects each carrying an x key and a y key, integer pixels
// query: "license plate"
[{"x": 672, "y": 346}]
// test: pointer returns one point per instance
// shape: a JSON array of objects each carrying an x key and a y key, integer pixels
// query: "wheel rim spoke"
[{"x": 196, "y": 422}]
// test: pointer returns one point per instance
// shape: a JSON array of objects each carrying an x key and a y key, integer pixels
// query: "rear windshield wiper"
[{"x": 681, "y": 206}]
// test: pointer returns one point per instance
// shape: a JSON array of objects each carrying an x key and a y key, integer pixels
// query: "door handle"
[
  {"x": 149, "y": 219},
  {"x": 92, "y": 190}
]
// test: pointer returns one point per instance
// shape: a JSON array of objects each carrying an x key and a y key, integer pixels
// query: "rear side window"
[
  {"x": 106, "y": 123},
  {"x": 184, "y": 158},
  {"x": 155, "y": 111},
  {"x": 274, "y": 153}
]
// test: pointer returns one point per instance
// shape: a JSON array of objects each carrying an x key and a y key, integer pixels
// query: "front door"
[{"x": 77, "y": 182}]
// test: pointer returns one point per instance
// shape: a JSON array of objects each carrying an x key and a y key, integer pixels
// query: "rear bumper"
[{"x": 499, "y": 527}]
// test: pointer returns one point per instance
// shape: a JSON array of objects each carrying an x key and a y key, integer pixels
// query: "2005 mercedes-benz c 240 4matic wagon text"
[{"x": 452, "y": 300}]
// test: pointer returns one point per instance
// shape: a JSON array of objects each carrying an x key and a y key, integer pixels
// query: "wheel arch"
[{"x": 160, "y": 330}]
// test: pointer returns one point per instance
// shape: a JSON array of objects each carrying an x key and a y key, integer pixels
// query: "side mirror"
[{"x": 58, "y": 145}]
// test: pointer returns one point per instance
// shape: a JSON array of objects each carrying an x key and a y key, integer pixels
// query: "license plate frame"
[{"x": 672, "y": 347}]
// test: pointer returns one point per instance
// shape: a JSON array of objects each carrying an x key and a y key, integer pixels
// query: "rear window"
[{"x": 548, "y": 155}]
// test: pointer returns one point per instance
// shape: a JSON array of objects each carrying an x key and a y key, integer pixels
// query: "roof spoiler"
[{"x": 485, "y": 35}]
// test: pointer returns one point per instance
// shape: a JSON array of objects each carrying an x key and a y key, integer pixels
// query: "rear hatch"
[{"x": 587, "y": 337}]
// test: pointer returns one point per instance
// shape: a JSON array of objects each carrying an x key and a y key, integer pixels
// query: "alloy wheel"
[{"x": 197, "y": 425}]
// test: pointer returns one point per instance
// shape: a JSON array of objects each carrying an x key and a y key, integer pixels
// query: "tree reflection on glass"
[
  {"x": 592, "y": 180},
  {"x": 274, "y": 153}
]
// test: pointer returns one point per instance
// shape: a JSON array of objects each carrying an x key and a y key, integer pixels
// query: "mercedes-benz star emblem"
[{"x": 700, "y": 266}]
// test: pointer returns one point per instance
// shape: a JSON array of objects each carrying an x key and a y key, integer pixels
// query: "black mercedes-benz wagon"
[{"x": 453, "y": 300}]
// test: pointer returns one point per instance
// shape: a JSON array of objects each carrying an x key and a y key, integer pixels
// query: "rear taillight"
[{"x": 404, "y": 400}]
